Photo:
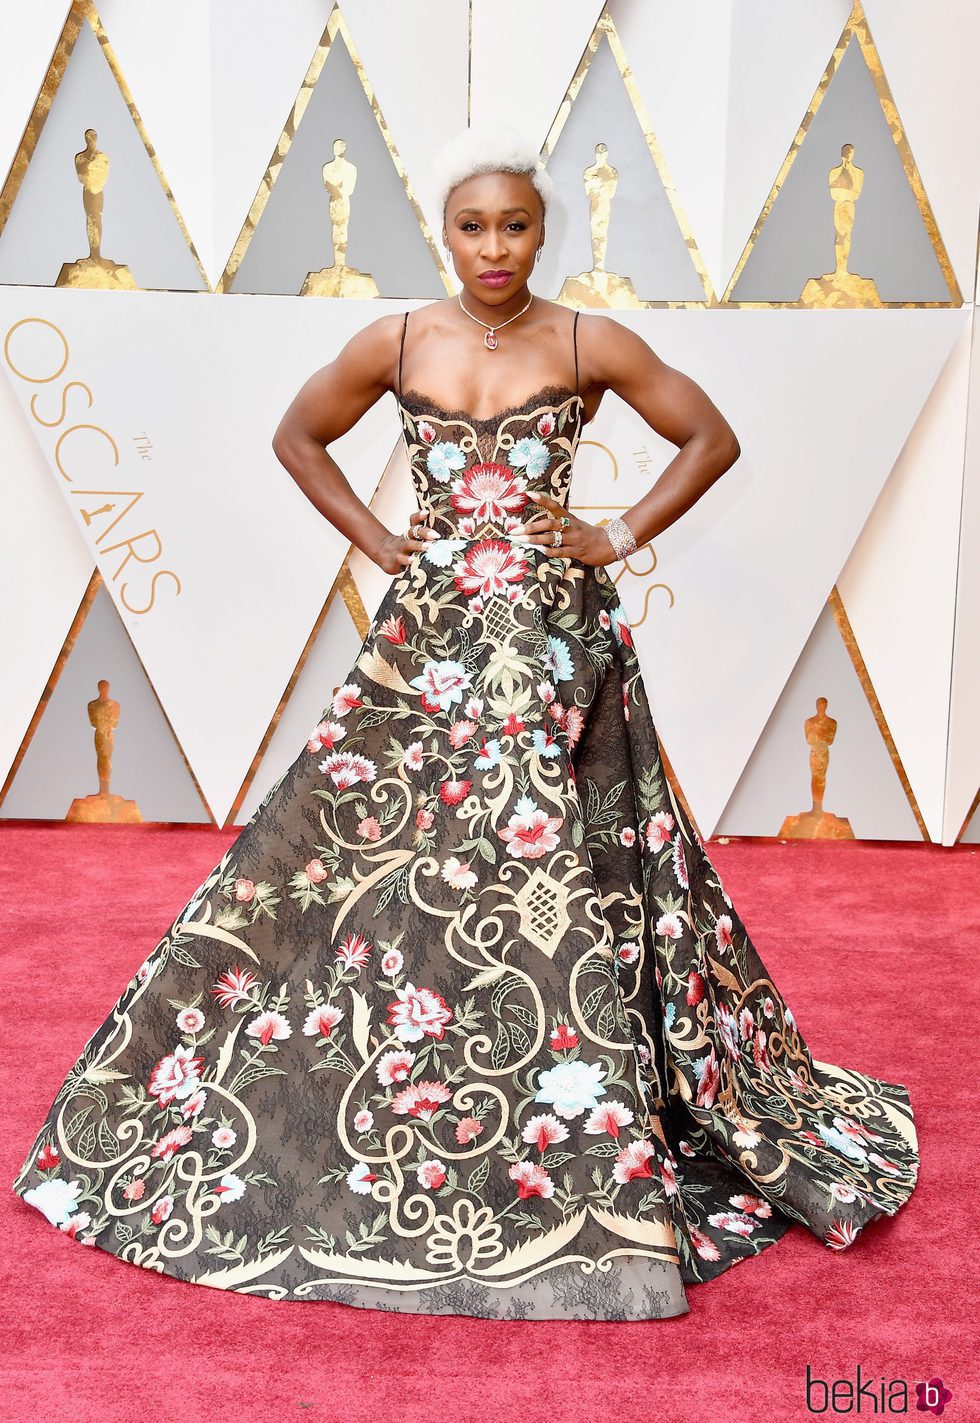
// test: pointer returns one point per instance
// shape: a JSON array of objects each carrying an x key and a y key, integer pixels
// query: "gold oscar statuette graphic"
[
  {"x": 841, "y": 287},
  {"x": 103, "y": 713},
  {"x": 339, "y": 178},
  {"x": 92, "y": 167},
  {"x": 817, "y": 823},
  {"x": 599, "y": 287}
]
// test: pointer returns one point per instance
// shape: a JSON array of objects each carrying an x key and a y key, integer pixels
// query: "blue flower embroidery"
[
  {"x": 531, "y": 455},
  {"x": 843, "y": 1143},
  {"x": 617, "y": 617},
  {"x": 540, "y": 739},
  {"x": 571, "y": 1087},
  {"x": 443, "y": 459},
  {"x": 441, "y": 552},
  {"x": 489, "y": 755},
  {"x": 557, "y": 659}
]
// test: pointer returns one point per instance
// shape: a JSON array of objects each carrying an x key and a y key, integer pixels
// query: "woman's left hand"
[{"x": 584, "y": 542}]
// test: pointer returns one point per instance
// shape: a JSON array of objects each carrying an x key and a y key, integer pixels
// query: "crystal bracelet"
[{"x": 621, "y": 536}]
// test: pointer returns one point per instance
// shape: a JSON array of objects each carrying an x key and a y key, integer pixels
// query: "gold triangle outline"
[
  {"x": 969, "y": 816},
  {"x": 675, "y": 786},
  {"x": 605, "y": 28},
  {"x": 836, "y": 604},
  {"x": 61, "y": 661},
  {"x": 346, "y": 585},
  {"x": 83, "y": 11},
  {"x": 50, "y": 85},
  {"x": 336, "y": 25},
  {"x": 856, "y": 27},
  {"x": 849, "y": 640}
]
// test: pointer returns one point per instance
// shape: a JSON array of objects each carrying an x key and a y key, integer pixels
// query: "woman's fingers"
[
  {"x": 418, "y": 517},
  {"x": 541, "y": 530}
]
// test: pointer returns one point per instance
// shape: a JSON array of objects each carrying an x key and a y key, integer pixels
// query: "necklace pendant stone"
[{"x": 490, "y": 340}]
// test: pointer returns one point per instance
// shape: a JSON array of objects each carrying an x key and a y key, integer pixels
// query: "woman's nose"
[{"x": 494, "y": 246}]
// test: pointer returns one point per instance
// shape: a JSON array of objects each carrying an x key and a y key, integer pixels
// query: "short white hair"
[{"x": 489, "y": 148}]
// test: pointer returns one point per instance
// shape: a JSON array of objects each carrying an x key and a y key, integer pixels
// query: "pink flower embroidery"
[
  {"x": 530, "y": 832},
  {"x": 431, "y": 1175},
  {"x": 175, "y": 1075},
  {"x": 234, "y": 986},
  {"x": 171, "y": 1143},
  {"x": 267, "y": 1026},
  {"x": 531, "y": 1180},
  {"x": 417, "y": 1013},
  {"x": 420, "y": 1099},
  {"x": 488, "y": 568},
  {"x": 488, "y": 493},
  {"x": 354, "y": 951},
  {"x": 320, "y": 1022},
  {"x": 634, "y": 1160}
]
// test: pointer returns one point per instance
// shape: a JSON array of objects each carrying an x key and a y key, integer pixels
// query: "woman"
[{"x": 464, "y": 1021}]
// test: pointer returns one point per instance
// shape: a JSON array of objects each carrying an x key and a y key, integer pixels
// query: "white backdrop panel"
[
  {"x": 44, "y": 567},
  {"x": 822, "y": 403},
  {"x": 206, "y": 378},
  {"x": 899, "y": 585},
  {"x": 522, "y": 59},
  {"x": 963, "y": 756}
]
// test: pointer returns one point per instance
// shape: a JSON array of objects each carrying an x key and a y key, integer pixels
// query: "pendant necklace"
[{"x": 490, "y": 335}]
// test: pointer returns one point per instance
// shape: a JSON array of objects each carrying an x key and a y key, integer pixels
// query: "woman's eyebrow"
[{"x": 504, "y": 211}]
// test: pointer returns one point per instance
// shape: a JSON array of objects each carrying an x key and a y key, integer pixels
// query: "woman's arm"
[
  {"x": 615, "y": 358},
  {"x": 675, "y": 407},
  {"x": 326, "y": 407}
]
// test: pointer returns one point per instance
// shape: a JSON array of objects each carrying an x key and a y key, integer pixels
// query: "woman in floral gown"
[{"x": 464, "y": 1021}]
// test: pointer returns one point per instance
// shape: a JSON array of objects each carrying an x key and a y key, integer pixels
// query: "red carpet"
[{"x": 874, "y": 945}]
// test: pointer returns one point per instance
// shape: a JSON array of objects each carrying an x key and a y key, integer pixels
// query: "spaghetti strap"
[
  {"x": 401, "y": 350},
  {"x": 575, "y": 344}
]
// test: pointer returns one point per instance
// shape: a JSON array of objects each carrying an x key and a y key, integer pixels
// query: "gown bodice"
[{"x": 472, "y": 475}]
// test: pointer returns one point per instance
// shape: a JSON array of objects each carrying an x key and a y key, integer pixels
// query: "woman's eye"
[{"x": 519, "y": 225}]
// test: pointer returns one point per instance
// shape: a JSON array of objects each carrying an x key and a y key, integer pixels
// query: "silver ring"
[
  {"x": 556, "y": 540},
  {"x": 565, "y": 522}
]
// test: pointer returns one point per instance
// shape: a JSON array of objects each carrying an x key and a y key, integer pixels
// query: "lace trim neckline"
[{"x": 536, "y": 398}]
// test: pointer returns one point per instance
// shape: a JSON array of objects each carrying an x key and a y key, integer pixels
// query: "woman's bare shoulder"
[
  {"x": 611, "y": 348},
  {"x": 377, "y": 344},
  {"x": 370, "y": 355}
]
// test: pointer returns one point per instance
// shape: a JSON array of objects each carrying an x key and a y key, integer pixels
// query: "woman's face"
[{"x": 494, "y": 223}]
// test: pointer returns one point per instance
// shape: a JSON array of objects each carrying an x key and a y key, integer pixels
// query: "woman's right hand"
[{"x": 397, "y": 550}]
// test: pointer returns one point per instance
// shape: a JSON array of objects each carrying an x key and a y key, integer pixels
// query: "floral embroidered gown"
[{"x": 464, "y": 1021}]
